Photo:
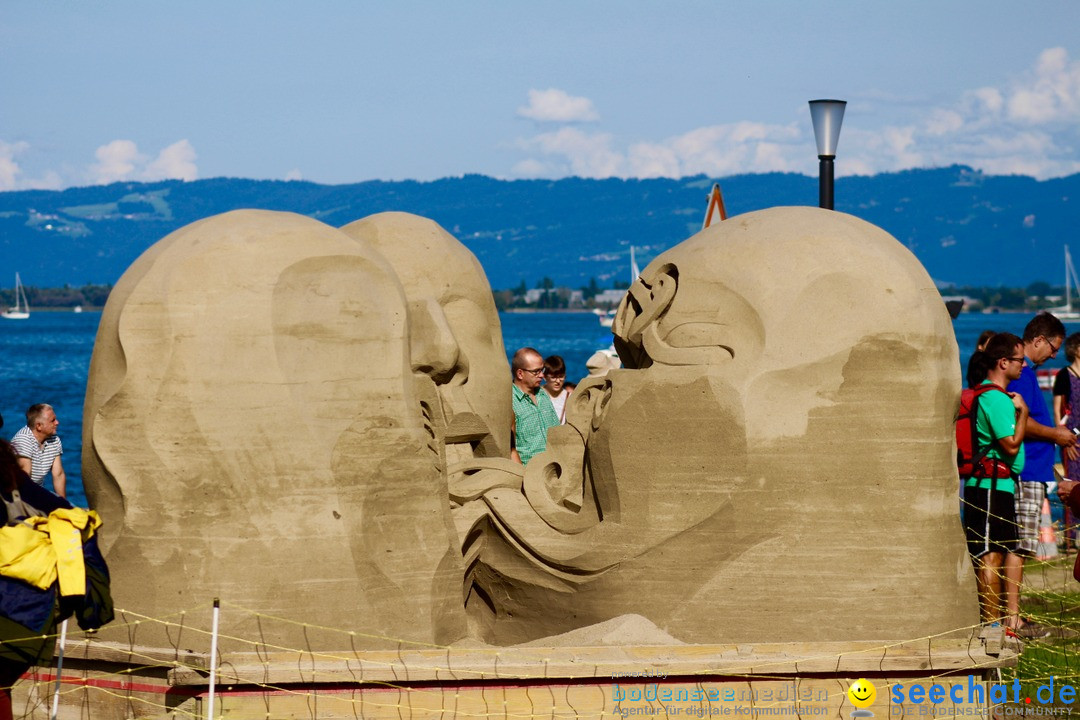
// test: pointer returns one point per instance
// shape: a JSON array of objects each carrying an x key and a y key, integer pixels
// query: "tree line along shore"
[
  {"x": 547, "y": 296},
  {"x": 88, "y": 297}
]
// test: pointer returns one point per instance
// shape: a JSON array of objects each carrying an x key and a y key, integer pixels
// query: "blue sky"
[{"x": 340, "y": 92}]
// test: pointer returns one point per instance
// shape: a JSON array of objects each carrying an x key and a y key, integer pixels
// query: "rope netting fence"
[
  {"x": 357, "y": 678},
  {"x": 414, "y": 679}
]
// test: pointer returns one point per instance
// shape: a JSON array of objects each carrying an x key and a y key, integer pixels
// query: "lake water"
[{"x": 47, "y": 358}]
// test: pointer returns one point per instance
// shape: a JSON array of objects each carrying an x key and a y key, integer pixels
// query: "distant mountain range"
[{"x": 967, "y": 228}]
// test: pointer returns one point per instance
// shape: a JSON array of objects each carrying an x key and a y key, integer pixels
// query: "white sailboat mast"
[
  {"x": 21, "y": 305},
  {"x": 1068, "y": 280},
  {"x": 1071, "y": 281}
]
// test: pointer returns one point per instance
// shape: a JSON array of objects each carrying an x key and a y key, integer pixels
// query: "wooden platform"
[{"x": 107, "y": 681}]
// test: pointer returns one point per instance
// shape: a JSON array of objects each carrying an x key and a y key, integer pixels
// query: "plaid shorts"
[{"x": 1029, "y": 501}]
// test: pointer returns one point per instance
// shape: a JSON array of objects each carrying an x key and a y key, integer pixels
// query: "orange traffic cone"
[{"x": 1047, "y": 549}]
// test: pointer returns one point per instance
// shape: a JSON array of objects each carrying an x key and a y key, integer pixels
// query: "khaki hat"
[{"x": 600, "y": 362}]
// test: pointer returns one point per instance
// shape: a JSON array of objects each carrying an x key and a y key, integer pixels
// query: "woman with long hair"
[{"x": 976, "y": 372}]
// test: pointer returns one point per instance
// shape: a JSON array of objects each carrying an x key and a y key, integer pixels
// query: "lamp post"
[{"x": 827, "y": 115}]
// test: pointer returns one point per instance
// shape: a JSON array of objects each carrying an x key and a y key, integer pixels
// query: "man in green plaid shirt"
[{"x": 533, "y": 411}]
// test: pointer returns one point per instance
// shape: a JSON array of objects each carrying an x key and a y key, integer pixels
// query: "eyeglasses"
[
  {"x": 1019, "y": 359},
  {"x": 1053, "y": 350},
  {"x": 535, "y": 373}
]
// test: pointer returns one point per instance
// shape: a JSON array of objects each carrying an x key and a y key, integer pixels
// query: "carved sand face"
[
  {"x": 786, "y": 414},
  {"x": 263, "y": 405},
  {"x": 454, "y": 336}
]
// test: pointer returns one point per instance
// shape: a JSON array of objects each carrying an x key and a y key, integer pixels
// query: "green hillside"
[{"x": 966, "y": 227}]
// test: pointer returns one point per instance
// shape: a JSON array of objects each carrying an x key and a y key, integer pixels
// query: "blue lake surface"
[{"x": 47, "y": 358}]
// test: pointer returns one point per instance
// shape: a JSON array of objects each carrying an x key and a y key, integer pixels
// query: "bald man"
[{"x": 533, "y": 411}]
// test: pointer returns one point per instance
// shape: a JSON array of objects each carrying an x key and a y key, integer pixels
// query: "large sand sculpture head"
[
  {"x": 253, "y": 432},
  {"x": 775, "y": 463}
]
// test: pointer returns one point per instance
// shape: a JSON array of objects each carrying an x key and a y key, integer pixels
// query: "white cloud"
[
  {"x": 294, "y": 174},
  {"x": 51, "y": 180},
  {"x": 1051, "y": 93},
  {"x": 1026, "y": 126},
  {"x": 648, "y": 160},
  {"x": 12, "y": 176},
  {"x": 943, "y": 122},
  {"x": 714, "y": 150},
  {"x": 990, "y": 99},
  {"x": 115, "y": 161},
  {"x": 900, "y": 145},
  {"x": 554, "y": 105},
  {"x": 741, "y": 147},
  {"x": 579, "y": 153},
  {"x": 1029, "y": 124},
  {"x": 9, "y": 168},
  {"x": 531, "y": 168},
  {"x": 121, "y": 160},
  {"x": 857, "y": 166},
  {"x": 176, "y": 162}
]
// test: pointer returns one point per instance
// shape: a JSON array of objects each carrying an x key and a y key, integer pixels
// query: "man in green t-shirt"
[
  {"x": 989, "y": 505},
  {"x": 533, "y": 412}
]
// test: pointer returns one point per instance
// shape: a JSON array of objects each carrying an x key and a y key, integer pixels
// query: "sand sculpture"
[
  {"x": 254, "y": 431},
  {"x": 775, "y": 463},
  {"x": 772, "y": 464}
]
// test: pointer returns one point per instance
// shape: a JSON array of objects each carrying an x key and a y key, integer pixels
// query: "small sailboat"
[
  {"x": 21, "y": 311},
  {"x": 1067, "y": 313}
]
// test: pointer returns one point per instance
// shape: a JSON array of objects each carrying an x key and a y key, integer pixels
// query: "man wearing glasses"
[
  {"x": 1042, "y": 340},
  {"x": 533, "y": 411}
]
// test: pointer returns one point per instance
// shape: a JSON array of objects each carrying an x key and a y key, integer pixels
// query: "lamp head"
[{"x": 827, "y": 115}]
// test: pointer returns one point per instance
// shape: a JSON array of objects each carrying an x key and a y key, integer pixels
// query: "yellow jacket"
[{"x": 40, "y": 550}]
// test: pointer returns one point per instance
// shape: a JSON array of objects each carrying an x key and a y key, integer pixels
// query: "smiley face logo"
[{"x": 862, "y": 693}]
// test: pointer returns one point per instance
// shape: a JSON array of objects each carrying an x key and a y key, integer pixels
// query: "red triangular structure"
[{"x": 716, "y": 203}]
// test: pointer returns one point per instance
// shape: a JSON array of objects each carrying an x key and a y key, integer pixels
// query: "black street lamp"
[{"x": 827, "y": 115}]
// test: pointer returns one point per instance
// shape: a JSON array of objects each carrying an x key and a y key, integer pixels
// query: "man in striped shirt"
[{"x": 38, "y": 447}]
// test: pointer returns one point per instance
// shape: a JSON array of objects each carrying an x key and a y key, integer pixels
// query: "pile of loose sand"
[{"x": 621, "y": 630}]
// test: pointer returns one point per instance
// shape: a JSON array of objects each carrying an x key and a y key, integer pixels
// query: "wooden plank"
[
  {"x": 803, "y": 680},
  {"x": 463, "y": 665},
  {"x": 90, "y": 648}
]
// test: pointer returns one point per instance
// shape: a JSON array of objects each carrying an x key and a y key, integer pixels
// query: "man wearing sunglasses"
[
  {"x": 533, "y": 411},
  {"x": 1043, "y": 337}
]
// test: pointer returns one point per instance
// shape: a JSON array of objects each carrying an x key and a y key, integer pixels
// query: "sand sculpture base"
[{"x": 744, "y": 682}]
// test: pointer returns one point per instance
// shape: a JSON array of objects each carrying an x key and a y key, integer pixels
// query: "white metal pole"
[
  {"x": 59, "y": 670},
  {"x": 213, "y": 658}
]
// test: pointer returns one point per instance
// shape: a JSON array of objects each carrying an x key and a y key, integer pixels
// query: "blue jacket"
[{"x": 27, "y": 613}]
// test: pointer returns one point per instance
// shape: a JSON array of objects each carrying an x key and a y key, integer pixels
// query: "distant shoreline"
[
  {"x": 44, "y": 309},
  {"x": 548, "y": 310},
  {"x": 523, "y": 311}
]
